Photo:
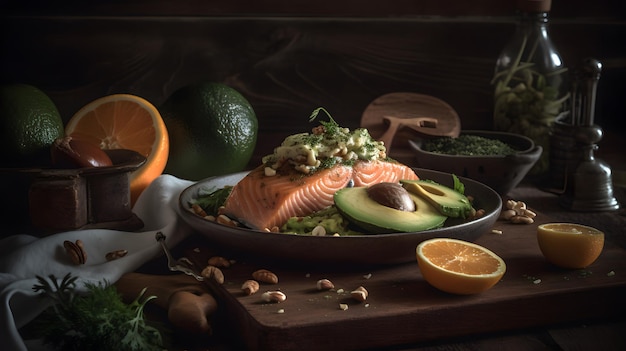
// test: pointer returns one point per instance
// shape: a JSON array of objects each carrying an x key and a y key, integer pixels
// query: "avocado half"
[
  {"x": 364, "y": 212},
  {"x": 448, "y": 202}
]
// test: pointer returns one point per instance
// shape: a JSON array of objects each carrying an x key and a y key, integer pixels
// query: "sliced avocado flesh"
[
  {"x": 360, "y": 209},
  {"x": 447, "y": 200}
]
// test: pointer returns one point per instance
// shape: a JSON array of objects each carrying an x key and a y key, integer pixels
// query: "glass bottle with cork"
[{"x": 530, "y": 81}]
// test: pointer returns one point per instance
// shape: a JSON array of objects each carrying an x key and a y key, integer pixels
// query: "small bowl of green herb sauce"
[{"x": 497, "y": 159}]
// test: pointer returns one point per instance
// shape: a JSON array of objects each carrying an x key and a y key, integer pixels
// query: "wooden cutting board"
[{"x": 403, "y": 308}]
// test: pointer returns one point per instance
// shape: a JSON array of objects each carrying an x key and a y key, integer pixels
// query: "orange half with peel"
[
  {"x": 125, "y": 121},
  {"x": 570, "y": 245},
  {"x": 459, "y": 267}
]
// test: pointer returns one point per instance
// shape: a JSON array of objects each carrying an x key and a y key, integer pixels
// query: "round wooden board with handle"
[{"x": 397, "y": 117}]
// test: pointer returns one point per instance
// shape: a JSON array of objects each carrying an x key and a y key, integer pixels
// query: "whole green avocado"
[{"x": 29, "y": 124}]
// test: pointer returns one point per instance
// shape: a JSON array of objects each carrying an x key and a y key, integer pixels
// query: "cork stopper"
[{"x": 534, "y": 5}]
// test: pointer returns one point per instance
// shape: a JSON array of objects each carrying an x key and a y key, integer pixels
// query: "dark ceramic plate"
[{"x": 378, "y": 249}]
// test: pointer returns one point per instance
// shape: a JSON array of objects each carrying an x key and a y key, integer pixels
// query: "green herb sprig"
[
  {"x": 331, "y": 126},
  {"x": 96, "y": 320}
]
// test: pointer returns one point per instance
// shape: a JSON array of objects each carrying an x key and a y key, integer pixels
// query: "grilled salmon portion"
[
  {"x": 260, "y": 201},
  {"x": 263, "y": 202}
]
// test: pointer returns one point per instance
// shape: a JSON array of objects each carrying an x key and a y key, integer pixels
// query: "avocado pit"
[{"x": 391, "y": 195}]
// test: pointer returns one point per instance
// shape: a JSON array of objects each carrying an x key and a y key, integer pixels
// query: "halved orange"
[
  {"x": 125, "y": 121},
  {"x": 570, "y": 245},
  {"x": 459, "y": 267}
]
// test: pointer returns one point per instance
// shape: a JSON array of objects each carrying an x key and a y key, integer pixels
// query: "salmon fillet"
[{"x": 263, "y": 202}]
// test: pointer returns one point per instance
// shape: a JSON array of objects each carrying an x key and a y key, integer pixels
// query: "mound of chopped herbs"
[
  {"x": 96, "y": 320},
  {"x": 468, "y": 145}
]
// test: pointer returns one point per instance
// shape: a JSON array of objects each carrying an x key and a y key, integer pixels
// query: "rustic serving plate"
[{"x": 381, "y": 249}]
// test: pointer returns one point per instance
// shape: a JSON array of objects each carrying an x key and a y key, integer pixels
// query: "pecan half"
[{"x": 76, "y": 251}]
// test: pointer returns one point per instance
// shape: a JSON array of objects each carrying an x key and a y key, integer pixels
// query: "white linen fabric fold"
[{"x": 23, "y": 257}]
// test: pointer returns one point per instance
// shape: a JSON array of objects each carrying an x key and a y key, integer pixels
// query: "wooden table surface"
[
  {"x": 569, "y": 310},
  {"x": 573, "y": 314}
]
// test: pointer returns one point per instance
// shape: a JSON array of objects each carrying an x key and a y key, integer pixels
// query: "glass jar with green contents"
[{"x": 530, "y": 80}]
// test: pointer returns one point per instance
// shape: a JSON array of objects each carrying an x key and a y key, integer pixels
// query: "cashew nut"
[
  {"x": 325, "y": 284},
  {"x": 212, "y": 272},
  {"x": 250, "y": 287},
  {"x": 274, "y": 296},
  {"x": 359, "y": 294},
  {"x": 517, "y": 212}
]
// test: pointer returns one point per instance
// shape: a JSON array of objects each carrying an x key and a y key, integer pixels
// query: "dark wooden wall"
[{"x": 289, "y": 57}]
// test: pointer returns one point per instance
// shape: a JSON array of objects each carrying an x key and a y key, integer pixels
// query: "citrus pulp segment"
[
  {"x": 125, "y": 121},
  {"x": 459, "y": 267}
]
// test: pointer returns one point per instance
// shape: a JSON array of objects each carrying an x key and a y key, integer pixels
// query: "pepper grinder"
[{"x": 587, "y": 180}]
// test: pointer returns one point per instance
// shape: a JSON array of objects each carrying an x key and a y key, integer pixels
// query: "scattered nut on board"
[
  {"x": 517, "y": 212},
  {"x": 250, "y": 287},
  {"x": 274, "y": 296},
  {"x": 212, "y": 272},
  {"x": 265, "y": 276},
  {"x": 359, "y": 294},
  {"x": 325, "y": 284}
]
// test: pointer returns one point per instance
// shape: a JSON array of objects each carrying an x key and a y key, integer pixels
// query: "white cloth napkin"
[{"x": 23, "y": 257}]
